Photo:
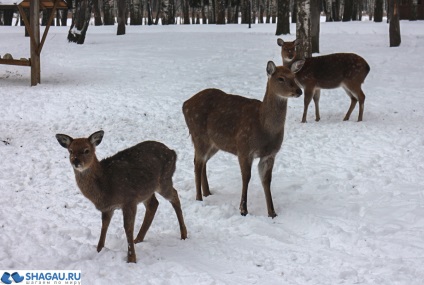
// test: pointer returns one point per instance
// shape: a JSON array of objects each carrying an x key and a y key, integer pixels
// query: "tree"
[
  {"x": 303, "y": 28},
  {"x": 220, "y": 19},
  {"x": 328, "y": 9},
  {"x": 283, "y": 17},
  {"x": 394, "y": 26},
  {"x": 136, "y": 12},
  {"x": 315, "y": 24},
  {"x": 122, "y": 16},
  {"x": 348, "y": 10},
  {"x": 80, "y": 20},
  {"x": 378, "y": 11},
  {"x": 109, "y": 17},
  {"x": 414, "y": 7},
  {"x": 96, "y": 12},
  {"x": 186, "y": 11}
]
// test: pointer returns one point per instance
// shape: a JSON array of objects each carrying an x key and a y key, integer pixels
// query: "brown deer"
[
  {"x": 244, "y": 127},
  {"x": 346, "y": 70},
  {"x": 123, "y": 181}
]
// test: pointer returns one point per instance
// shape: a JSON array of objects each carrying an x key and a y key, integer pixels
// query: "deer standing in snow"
[
  {"x": 346, "y": 70},
  {"x": 123, "y": 181},
  {"x": 244, "y": 127}
]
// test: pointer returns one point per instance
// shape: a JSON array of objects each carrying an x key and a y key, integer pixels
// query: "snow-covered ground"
[{"x": 349, "y": 196}]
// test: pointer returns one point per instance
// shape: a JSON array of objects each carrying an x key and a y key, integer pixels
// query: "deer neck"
[
  {"x": 288, "y": 63},
  {"x": 89, "y": 181},
  {"x": 273, "y": 113}
]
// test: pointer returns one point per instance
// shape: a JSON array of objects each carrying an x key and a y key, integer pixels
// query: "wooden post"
[{"x": 34, "y": 12}]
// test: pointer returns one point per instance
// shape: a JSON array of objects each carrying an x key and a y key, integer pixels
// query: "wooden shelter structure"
[{"x": 32, "y": 25}]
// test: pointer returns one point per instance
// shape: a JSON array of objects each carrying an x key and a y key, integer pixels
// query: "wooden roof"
[{"x": 44, "y": 4}]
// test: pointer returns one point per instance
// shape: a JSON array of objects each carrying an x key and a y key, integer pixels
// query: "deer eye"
[
  {"x": 86, "y": 151},
  {"x": 282, "y": 80}
]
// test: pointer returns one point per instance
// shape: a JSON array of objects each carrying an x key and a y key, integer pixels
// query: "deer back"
[{"x": 333, "y": 70}]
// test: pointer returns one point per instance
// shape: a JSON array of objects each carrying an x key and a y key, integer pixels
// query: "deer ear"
[
  {"x": 297, "y": 42},
  {"x": 96, "y": 138},
  {"x": 270, "y": 68},
  {"x": 280, "y": 42},
  {"x": 64, "y": 140},
  {"x": 296, "y": 66}
]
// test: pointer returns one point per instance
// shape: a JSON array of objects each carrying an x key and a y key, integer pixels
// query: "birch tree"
[
  {"x": 80, "y": 19},
  {"x": 303, "y": 28}
]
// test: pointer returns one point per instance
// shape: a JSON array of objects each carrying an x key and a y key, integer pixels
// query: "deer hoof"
[
  {"x": 272, "y": 215},
  {"x": 99, "y": 247},
  {"x": 132, "y": 259}
]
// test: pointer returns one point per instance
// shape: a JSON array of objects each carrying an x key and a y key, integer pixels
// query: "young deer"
[
  {"x": 346, "y": 70},
  {"x": 245, "y": 127},
  {"x": 123, "y": 181}
]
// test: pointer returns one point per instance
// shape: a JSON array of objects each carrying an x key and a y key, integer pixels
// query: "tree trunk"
[
  {"x": 165, "y": 12},
  {"x": 8, "y": 17},
  {"x": 294, "y": 12},
  {"x": 274, "y": 11},
  {"x": 108, "y": 18},
  {"x": 220, "y": 20},
  {"x": 136, "y": 13},
  {"x": 303, "y": 28},
  {"x": 46, "y": 16},
  {"x": 96, "y": 12},
  {"x": 336, "y": 10},
  {"x": 80, "y": 20},
  {"x": 315, "y": 24},
  {"x": 378, "y": 11},
  {"x": 355, "y": 10},
  {"x": 328, "y": 10},
  {"x": 414, "y": 4},
  {"x": 347, "y": 13},
  {"x": 394, "y": 26},
  {"x": 283, "y": 22},
  {"x": 261, "y": 11},
  {"x": 122, "y": 16},
  {"x": 186, "y": 12},
  {"x": 149, "y": 13}
]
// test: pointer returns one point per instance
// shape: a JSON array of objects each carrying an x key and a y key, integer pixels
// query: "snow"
[{"x": 349, "y": 196}]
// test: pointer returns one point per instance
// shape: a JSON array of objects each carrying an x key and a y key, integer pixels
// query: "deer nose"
[
  {"x": 299, "y": 92},
  {"x": 76, "y": 162}
]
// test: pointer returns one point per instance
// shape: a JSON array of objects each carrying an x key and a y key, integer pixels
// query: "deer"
[
  {"x": 247, "y": 128},
  {"x": 346, "y": 70},
  {"x": 124, "y": 180}
]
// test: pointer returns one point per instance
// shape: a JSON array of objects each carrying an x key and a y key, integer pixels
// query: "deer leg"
[
  {"x": 309, "y": 93},
  {"x": 317, "y": 95},
  {"x": 198, "y": 169},
  {"x": 361, "y": 99},
  {"x": 265, "y": 172},
  {"x": 205, "y": 183},
  {"x": 106, "y": 217},
  {"x": 353, "y": 102},
  {"x": 129, "y": 212},
  {"x": 246, "y": 168},
  {"x": 171, "y": 195},
  {"x": 151, "y": 207}
]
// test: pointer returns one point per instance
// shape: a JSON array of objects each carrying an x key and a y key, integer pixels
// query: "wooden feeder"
[{"x": 33, "y": 28}]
